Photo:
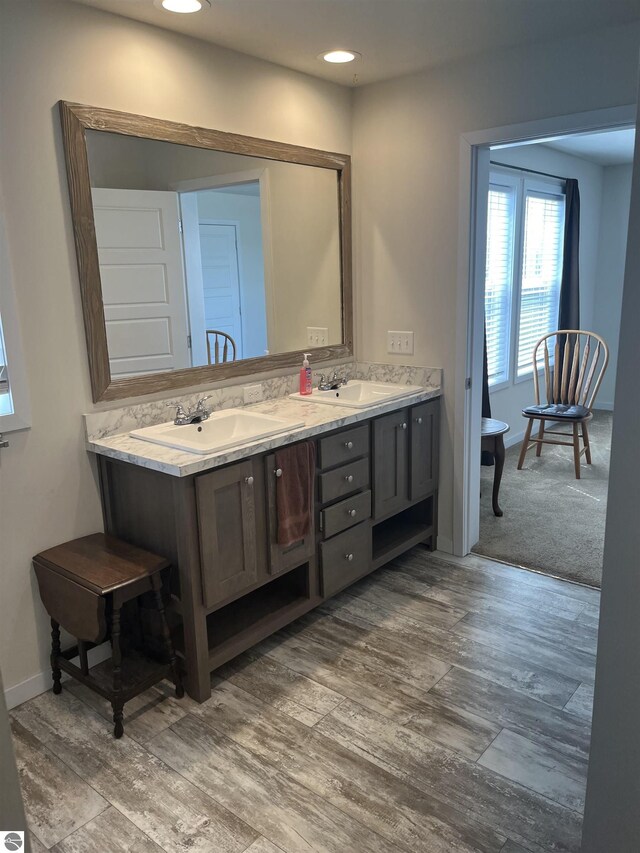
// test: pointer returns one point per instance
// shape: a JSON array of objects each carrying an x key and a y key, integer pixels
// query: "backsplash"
[{"x": 101, "y": 424}]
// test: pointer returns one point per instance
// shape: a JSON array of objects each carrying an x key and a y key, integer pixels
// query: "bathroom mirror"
[{"x": 204, "y": 255}]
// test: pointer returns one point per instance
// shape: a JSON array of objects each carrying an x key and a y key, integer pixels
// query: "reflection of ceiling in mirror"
[{"x": 257, "y": 260}]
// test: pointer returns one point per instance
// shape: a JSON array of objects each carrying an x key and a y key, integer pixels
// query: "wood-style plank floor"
[{"x": 440, "y": 705}]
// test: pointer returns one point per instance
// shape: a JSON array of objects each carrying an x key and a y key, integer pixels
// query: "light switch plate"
[
  {"x": 317, "y": 336},
  {"x": 400, "y": 343},
  {"x": 252, "y": 393}
]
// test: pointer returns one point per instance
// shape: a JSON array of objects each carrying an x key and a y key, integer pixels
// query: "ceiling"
[
  {"x": 394, "y": 36},
  {"x": 609, "y": 148}
]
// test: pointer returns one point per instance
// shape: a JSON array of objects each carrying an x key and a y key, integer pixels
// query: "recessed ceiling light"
[
  {"x": 340, "y": 56},
  {"x": 184, "y": 7}
]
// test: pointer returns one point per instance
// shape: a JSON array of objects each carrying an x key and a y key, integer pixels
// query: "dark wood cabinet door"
[
  {"x": 282, "y": 557},
  {"x": 391, "y": 464},
  {"x": 226, "y": 501},
  {"x": 424, "y": 424}
]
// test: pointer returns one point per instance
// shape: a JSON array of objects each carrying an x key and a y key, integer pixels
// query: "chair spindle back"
[
  {"x": 216, "y": 336},
  {"x": 579, "y": 361}
]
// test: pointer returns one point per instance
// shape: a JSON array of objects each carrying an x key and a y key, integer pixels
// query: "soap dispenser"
[{"x": 305, "y": 376}]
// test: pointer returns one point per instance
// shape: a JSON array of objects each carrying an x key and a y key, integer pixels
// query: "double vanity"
[
  {"x": 168, "y": 268},
  {"x": 209, "y": 506}
]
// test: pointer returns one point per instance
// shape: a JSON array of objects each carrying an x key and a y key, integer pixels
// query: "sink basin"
[
  {"x": 221, "y": 430},
  {"x": 358, "y": 394}
]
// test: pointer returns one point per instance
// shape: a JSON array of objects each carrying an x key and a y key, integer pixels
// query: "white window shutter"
[
  {"x": 498, "y": 279},
  {"x": 541, "y": 273}
]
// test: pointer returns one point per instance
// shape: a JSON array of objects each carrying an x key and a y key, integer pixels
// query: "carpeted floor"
[{"x": 551, "y": 521}]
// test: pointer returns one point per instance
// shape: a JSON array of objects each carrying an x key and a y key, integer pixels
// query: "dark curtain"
[
  {"x": 569, "y": 308},
  {"x": 486, "y": 458}
]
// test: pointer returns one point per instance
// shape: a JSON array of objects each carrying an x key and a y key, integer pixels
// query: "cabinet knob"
[
  {"x": 348, "y": 557},
  {"x": 249, "y": 481},
  {"x": 403, "y": 425},
  {"x": 351, "y": 512},
  {"x": 418, "y": 420},
  {"x": 348, "y": 445},
  {"x": 349, "y": 478},
  {"x": 278, "y": 472}
]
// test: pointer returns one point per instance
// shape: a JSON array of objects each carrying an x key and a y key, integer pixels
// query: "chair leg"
[
  {"x": 587, "y": 446},
  {"x": 540, "y": 437},
  {"x": 576, "y": 449},
  {"x": 525, "y": 444}
]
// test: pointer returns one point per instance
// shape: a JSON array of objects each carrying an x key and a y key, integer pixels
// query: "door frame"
[
  {"x": 235, "y": 224},
  {"x": 474, "y": 159},
  {"x": 213, "y": 182}
]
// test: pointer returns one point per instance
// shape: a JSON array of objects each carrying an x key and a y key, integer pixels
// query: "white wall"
[
  {"x": 53, "y": 49},
  {"x": 612, "y": 244},
  {"x": 612, "y": 816},
  {"x": 406, "y": 154},
  {"x": 507, "y": 403}
]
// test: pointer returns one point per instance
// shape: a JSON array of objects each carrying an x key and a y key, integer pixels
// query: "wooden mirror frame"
[{"x": 76, "y": 120}]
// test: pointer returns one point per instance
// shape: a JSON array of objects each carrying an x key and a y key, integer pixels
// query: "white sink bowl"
[
  {"x": 221, "y": 430},
  {"x": 358, "y": 394}
]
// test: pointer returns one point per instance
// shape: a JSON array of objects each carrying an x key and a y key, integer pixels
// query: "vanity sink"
[
  {"x": 221, "y": 430},
  {"x": 358, "y": 394}
]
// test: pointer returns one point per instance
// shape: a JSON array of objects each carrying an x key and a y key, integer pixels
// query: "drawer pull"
[
  {"x": 348, "y": 445},
  {"x": 348, "y": 557},
  {"x": 418, "y": 420},
  {"x": 349, "y": 478},
  {"x": 352, "y": 512},
  {"x": 249, "y": 481},
  {"x": 278, "y": 472},
  {"x": 403, "y": 425}
]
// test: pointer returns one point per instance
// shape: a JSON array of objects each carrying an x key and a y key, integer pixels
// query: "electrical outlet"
[
  {"x": 317, "y": 336},
  {"x": 252, "y": 393},
  {"x": 400, "y": 343}
]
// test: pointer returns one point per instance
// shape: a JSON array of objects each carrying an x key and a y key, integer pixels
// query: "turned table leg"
[
  {"x": 56, "y": 672},
  {"x": 156, "y": 583},
  {"x": 497, "y": 474},
  {"x": 116, "y": 657}
]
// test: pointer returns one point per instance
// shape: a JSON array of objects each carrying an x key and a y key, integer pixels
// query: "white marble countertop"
[{"x": 318, "y": 418}]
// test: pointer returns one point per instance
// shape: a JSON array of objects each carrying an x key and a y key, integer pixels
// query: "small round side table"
[{"x": 492, "y": 441}]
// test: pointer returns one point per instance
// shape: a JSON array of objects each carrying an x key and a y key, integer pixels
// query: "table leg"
[
  {"x": 116, "y": 656},
  {"x": 56, "y": 672},
  {"x": 156, "y": 583},
  {"x": 497, "y": 474}
]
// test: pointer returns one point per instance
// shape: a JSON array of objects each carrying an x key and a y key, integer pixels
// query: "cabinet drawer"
[
  {"x": 345, "y": 558},
  {"x": 344, "y": 446},
  {"x": 345, "y": 514},
  {"x": 343, "y": 481}
]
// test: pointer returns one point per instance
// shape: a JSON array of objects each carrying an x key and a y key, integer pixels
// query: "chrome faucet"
[
  {"x": 331, "y": 384},
  {"x": 195, "y": 416}
]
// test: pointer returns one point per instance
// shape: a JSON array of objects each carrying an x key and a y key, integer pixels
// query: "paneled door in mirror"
[{"x": 204, "y": 255}]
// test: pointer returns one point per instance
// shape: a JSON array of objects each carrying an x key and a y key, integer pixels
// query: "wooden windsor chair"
[
  {"x": 227, "y": 341},
  {"x": 580, "y": 360}
]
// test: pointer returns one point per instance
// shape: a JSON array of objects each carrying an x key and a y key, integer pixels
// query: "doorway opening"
[{"x": 552, "y": 521}]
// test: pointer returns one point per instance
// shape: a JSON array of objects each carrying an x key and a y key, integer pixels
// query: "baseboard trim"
[
  {"x": 40, "y": 683},
  {"x": 444, "y": 544},
  {"x": 513, "y": 438},
  {"x": 607, "y": 407}
]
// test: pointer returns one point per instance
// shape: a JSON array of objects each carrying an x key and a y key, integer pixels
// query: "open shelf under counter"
[
  {"x": 403, "y": 531},
  {"x": 251, "y": 618}
]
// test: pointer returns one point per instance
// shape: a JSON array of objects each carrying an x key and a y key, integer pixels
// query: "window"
[
  {"x": 525, "y": 228},
  {"x": 6, "y": 403},
  {"x": 14, "y": 401}
]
